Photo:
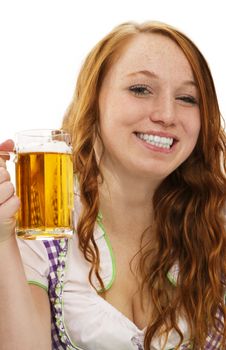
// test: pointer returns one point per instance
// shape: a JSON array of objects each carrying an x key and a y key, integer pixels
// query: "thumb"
[{"x": 7, "y": 145}]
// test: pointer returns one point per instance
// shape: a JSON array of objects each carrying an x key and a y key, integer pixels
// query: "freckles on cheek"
[
  {"x": 192, "y": 127},
  {"x": 132, "y": 112}
]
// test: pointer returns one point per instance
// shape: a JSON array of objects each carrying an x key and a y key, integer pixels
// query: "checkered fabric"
[
  {"x": 213, "y": 339},
  {"x": 56, "y": 250}
]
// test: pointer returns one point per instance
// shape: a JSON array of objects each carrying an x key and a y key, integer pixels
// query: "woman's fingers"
[
  {"x": 6, "y": 191},
  {"x": 7, "y": 218},
  {"x": 4, "y": 175},
  {"x": 9, "y": 203},
  {"x": 2, "y": 162},
  {"x": 9, "y": 208},
  {"x": 6, "y": 146}
]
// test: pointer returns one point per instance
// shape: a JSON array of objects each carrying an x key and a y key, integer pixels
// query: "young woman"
[{"x": 146, "y": 267}]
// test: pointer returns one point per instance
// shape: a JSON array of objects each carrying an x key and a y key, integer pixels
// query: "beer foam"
[{"x": 47, "y": 147}]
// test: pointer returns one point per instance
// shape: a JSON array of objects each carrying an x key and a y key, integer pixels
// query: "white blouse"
[{"x": 91, "y": 323}]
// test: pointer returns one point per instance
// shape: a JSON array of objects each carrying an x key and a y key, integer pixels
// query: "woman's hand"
[{"x": 9, "y": 202}]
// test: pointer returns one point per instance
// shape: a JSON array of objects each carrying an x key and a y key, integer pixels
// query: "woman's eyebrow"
[
  {"x": 152, "y": 74},
  {"x": 190, "y": 82},
  {"x": 144, "y": 72}
]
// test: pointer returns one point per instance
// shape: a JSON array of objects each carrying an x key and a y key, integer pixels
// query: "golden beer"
[{"x": 44, "y": 184}]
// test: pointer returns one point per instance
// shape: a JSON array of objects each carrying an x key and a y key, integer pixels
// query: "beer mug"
[{"x": 44, "y": 184}]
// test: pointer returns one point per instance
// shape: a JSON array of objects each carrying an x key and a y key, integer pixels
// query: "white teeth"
[
  {"x": 163, "y": 142},
  {"x": 157, "y": 138}
]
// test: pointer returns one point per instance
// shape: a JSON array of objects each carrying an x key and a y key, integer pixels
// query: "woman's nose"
[{"x": 163, "y": 111}]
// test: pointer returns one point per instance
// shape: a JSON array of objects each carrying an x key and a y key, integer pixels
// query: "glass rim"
[{"x": 39, "y": 132}]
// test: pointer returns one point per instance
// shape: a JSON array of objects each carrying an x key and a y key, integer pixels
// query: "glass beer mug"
[{"x": 44, "y": 184}]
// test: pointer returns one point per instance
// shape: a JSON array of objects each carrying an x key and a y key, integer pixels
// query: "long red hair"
[{"x": 191, "y": 199}]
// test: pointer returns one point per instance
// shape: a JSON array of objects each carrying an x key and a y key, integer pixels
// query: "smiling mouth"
[{"x": 156, "y": 140}]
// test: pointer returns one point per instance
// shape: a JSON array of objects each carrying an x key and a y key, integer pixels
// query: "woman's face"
[{"x": 149, "y": 109}]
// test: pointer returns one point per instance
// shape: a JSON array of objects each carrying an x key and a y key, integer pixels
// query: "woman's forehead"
[{"x": 153, "y": 53}]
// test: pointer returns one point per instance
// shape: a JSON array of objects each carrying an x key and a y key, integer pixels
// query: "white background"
[{"x": 43, "y": 43}]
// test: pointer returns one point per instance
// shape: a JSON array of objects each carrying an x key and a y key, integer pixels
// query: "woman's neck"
[{"x": 126, "y": 204}]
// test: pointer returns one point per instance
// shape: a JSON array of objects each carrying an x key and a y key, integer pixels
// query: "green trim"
[
  {"x": 100, "y": 217},
  {"x": 107, "y": 240},
  {"x": 38, "y": 284},
  {"x": 171, "y": 278},
  {"x": 187, "y": 343},
  {"x": 112, "y": 262}
]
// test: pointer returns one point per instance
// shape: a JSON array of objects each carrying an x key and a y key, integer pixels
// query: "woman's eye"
[
  {"x": 140, "y": 90},
  {"x": 188, "y": 99}
]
